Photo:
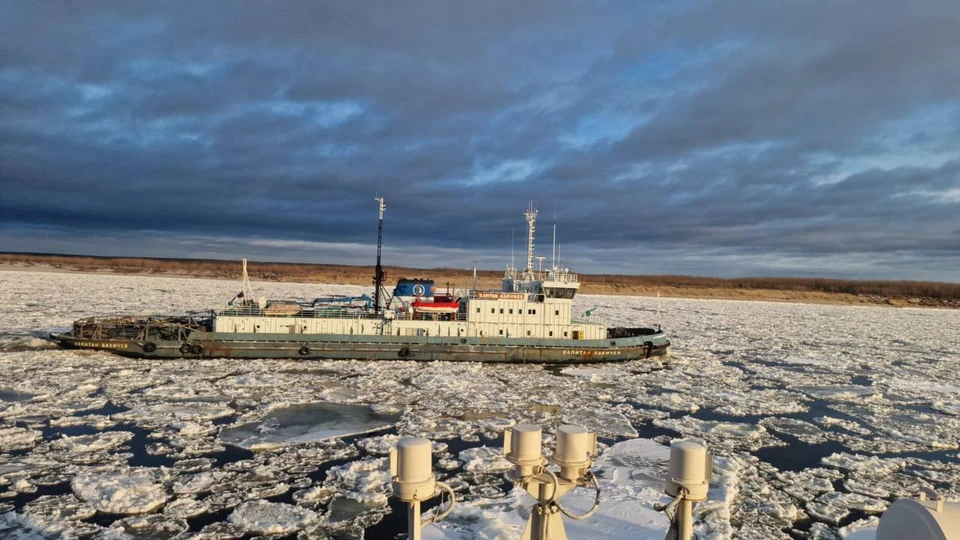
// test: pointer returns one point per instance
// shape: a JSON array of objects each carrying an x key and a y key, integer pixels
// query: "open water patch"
[
  {"x": 8, "y": 394},
  {"x": 308, "y": 422}
]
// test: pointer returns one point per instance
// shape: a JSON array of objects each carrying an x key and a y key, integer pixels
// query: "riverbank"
[{"x": 799, "y": 290}]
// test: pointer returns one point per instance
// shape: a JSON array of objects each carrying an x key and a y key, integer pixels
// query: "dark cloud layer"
[{"x": 718, "y": 138}]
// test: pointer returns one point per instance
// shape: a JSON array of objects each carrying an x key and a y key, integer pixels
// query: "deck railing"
[{"x": 336, "y": 313}]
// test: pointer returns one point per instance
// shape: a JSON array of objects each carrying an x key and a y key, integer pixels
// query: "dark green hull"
[{"x": 363, "y": 347}]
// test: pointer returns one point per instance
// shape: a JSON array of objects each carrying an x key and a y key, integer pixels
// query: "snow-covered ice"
[
  {"x": 128, "y": 492},
  {"x": 819, "y": 417},
  {"x": 272, "y": 518}
]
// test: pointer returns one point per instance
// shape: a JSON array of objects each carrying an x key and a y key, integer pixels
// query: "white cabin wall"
[{"x": 296, "y": 325}]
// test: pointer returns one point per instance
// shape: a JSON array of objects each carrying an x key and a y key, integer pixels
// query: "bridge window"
[
  {"x": 478, "y": 310},
  {"x": 528, "y": 332},
  {"x": 501, "y": 332},
  {"x": 551, "y": 333},
  {"x": 564, "y": 334},
  {"x": 511, "y": 311},
  {"x": 559, "y": 292},
  {"x": 501, "y": 311},
  {"x": 492, "y": 310},
  {"x": 556, "y": 312}
]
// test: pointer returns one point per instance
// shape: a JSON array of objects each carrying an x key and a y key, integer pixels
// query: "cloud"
[{"x": 775, "y": 137}]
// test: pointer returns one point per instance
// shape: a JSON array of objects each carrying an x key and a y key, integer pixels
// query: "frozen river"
[{"x": 819, "y": 417}]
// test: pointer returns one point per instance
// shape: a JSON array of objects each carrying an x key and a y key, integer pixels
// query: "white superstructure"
[{"x": 530, "y": 304}]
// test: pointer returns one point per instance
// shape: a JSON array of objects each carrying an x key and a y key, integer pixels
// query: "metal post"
[
  {"x": 538, "y": 524},
  {"x": 414, "y": 532},
  {"x": 685, "y": 519},
  {"x": 378, "y": 272}
]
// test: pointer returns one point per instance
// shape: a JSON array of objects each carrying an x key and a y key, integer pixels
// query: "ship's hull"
[{"x": 365, "y": 347}]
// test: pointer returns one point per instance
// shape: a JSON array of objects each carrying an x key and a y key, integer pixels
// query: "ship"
[{"x": 529, "y": 319}]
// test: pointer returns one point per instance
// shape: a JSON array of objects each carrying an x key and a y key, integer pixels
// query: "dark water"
[
  {"x": 7, "y": 394},
  {"x": 108, "y": 409}
]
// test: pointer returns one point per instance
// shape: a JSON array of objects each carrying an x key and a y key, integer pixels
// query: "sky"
[{"x": 733, "y": 138}]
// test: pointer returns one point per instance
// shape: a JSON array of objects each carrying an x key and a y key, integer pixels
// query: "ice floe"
[
  {"x": 18, "y": 438},
  {"x": 849, "y": 407},
  {"x": 130, "y": 492}
]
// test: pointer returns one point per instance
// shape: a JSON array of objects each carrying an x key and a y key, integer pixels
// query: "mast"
[
  {"x": 378, "y": 272},
  {"x": 531, "y": 215},
  {"x": 659, "y": 326}
]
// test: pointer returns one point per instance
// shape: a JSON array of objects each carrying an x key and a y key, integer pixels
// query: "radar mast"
[{"x": 531, "y": 215}]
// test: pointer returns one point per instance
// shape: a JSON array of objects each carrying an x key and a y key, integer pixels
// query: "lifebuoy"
[
  {"x": 304, "y": 351},
  {"x": 463, "y": 341},
  {"x": 149, "y": 347},
  {"x": 197, "y": 349},
  {"x": 185, "y": 348}
]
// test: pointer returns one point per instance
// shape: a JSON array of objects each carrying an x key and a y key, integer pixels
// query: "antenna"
[
  {"x": 513, "y": 260},
  {"x": 553, "y": 261}
]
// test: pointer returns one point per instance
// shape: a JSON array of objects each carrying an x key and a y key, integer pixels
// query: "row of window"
[
  {"x": 528, "y": 333},
  {"x": 520, "y": 311}
]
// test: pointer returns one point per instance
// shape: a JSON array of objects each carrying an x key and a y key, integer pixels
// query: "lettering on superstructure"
[{"x": 500, "y": 296}]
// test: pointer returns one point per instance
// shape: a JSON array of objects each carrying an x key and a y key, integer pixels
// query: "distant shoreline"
[{"x": 796, "y": 290}]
